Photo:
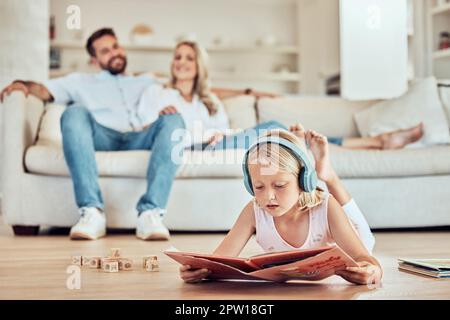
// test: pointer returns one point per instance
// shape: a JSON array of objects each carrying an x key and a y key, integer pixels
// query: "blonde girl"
[{"x": 285, "y": 217}]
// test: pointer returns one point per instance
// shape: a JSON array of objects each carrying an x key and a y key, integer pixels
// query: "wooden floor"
[{"x": 35, "y": 268}]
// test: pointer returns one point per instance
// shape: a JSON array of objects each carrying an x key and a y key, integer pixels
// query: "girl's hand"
[
  {"x": 168, "y": 110},
  {"x": 215, "y": 138},
  {"x": 366, "y": 273},
  {"x": 193, "y": 276}
]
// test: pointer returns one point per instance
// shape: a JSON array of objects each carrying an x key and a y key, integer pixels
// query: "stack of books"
[{"x": 436, "y": 268}]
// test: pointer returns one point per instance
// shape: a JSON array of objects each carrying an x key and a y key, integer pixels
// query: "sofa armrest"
[{"x": 21, "y": 117}]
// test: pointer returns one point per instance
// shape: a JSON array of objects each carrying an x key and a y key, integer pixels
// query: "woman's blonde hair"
[
  {"x": 202, "y": 86},
  {"x": 287, "y": 162}
]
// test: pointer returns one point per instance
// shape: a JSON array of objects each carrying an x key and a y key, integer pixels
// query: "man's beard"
[{"x": 112, "y": 69}]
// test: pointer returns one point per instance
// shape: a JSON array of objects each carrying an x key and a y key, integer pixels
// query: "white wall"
[
  {"x": 319, "y": 43},
  {"x": 23, "y": 43},
  {"x": 419, "y": 39}
]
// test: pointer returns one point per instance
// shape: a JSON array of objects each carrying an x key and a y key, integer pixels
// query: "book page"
[
  {"x": 317, "y": 267},
  {"x": 285, "y": 257},
  {"x": 219, "y": 270}
]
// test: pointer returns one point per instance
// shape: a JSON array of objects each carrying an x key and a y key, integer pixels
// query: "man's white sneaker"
[
  {"x": 91, "y": 226},
  {"x": 150, "y": 226}
]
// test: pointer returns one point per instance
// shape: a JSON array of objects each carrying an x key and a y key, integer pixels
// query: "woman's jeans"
[
  {"x": 244, "y": 139},
  {"x": 82, "y": 136}
]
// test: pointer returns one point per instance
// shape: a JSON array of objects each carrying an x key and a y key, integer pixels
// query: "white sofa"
[{"x": 395, "y": 189}]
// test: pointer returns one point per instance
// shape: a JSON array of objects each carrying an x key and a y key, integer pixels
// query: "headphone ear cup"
[
  {"x": 308, "y": 183},
  {"x": 313, "y": 180},
  {"x": 301, "y": 179},
  {"x": 248, "y": 185},
  {"x": 247, "y": 181}
]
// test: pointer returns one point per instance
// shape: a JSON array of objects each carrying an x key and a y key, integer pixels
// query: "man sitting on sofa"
[{"x": 103, "y": 115}]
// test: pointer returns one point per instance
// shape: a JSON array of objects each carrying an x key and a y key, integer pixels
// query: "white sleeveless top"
[{"x": 319, "y": 234}]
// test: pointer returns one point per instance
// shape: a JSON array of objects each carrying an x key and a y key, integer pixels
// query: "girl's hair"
[
  {"x": 287, "y": 162},
  {"x": 202, "y": 86}
]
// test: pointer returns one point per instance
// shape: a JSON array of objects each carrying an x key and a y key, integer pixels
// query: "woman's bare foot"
[
  {"x": 318, "y": 144},
  {"x": 299, "y": 131},
  {"x": 400, "y": 138}
]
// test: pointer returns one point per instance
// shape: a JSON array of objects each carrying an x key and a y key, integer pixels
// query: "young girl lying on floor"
[{"x": 289, "y": 212}]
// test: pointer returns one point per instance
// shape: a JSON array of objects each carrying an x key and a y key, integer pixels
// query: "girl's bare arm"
[
  {"x": 232, "y": 245},
  {"x": 346, "y": 238},
  {"x": 240, "y": 233}
]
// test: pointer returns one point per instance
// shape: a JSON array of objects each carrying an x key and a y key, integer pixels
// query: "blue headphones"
[{"x": 307, "y": 178}]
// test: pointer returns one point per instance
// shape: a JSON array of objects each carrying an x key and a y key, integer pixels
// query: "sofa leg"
[{"x": 25, "y": 230}]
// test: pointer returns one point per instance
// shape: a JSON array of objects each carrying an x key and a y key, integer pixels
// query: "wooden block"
[
  {"x": 107, "y": 259},
  {"x": 104, "y": 261},
  {"x": 152, "y": 266},
  {"x": 86, "y": 261},
  {"x": 115, "y": 252},
  {"x": 110, "y": 259},
  {"x": 149, "y": 258},
  {"x": 125, "y": 264},
  {"x": 95, "y": 263},
  {"x": 77, "y": 260},
  {"x": 110, "y": 266}
]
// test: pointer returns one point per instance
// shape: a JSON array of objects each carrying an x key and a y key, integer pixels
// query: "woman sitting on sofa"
[{"x": 190, "y": 94}]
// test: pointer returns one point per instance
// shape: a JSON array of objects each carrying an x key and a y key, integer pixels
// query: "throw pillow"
[
  {"x": 444, "y": 92},
  {"x": 241, "y": 111},
  {"x": 420, "y": 104}
]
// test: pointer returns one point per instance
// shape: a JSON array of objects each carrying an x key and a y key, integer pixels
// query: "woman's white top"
[{"x": 199, "y": 124}]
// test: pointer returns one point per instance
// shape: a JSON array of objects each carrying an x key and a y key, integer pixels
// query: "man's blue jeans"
[{"x": 82, "y": 136}]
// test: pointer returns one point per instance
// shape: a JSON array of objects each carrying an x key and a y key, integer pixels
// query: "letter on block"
[
  {"x": 77, "y": 260},
  {"x": 111, "y": 266}
]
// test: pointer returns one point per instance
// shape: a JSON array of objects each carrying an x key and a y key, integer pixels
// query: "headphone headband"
[{"x": 307, "y": 176}]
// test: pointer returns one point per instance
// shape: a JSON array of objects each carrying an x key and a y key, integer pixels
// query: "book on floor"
[
  {"x": 437, "y": 268},
  {"x": 310, "y": 264}
]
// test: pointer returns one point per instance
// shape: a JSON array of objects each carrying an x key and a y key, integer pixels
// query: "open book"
[{"x": 311, "y": 264}]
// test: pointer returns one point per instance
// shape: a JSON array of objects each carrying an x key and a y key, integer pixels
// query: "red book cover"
[{"x": 310, "y": 264}]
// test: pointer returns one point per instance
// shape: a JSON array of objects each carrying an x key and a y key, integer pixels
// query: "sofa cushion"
[
  {"x": 391, "y": 163},
  {"x": 420, "y": 104},
  {"x": 331, "y": 116},
  {"x": 240, "y": 110},
  {"x": 49, "y": 160},
  {"x": 50, "y": 129},
  {"x": 444, "y": 92}
]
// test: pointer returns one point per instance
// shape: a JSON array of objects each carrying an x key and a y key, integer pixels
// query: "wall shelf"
[
  {"x": 275, "y": 49},
  {"x": 282, "y": 76},
  {"x": 441, "y": 54},
  {"x": 440, "y": 9},
  {"x": 438, "y": 22},
  {"x": 273, "y": 76}
]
